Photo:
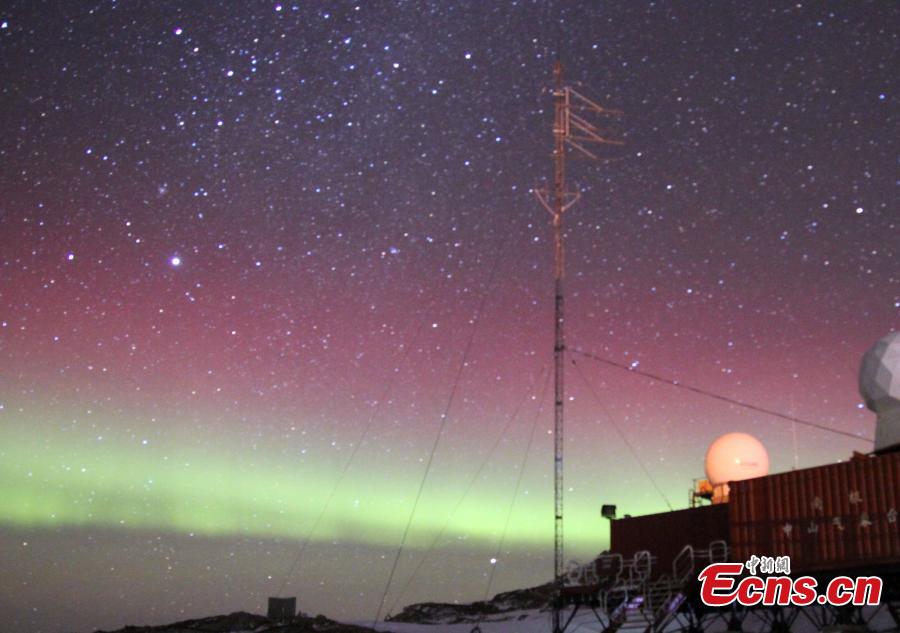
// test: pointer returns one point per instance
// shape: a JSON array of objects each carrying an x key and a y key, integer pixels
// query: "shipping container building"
[{"x": 841, "y": 516}]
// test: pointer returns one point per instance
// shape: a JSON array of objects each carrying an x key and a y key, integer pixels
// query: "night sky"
[{"x": 235, "y": 233}]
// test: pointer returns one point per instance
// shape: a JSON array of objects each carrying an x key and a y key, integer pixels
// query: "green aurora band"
[{"x": 70, "y": 477}]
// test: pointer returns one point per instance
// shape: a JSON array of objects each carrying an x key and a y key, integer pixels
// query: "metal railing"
[{"x": 657, "y": 598}]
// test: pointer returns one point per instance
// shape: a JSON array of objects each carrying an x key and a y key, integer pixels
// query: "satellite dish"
[{"x": 735, "y": 457}]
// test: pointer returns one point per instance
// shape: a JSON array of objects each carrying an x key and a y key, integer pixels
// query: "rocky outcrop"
[
  {"x": 503, "y": 604},
  {"x": 241, "y": 622}
]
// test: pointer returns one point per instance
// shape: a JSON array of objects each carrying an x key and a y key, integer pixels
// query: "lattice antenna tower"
[{"x": 576, "y": 127}]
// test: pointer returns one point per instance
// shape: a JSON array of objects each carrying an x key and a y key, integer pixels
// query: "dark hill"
[
  {"x": 447, "y": 613},
  {"x": 243, "y": 622}
]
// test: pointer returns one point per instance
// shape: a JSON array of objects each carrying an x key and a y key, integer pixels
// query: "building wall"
[
  {"x": 838, "y": 516},
  {"x": 282, "y": 609},
  {"x": 665, "y": 534}
]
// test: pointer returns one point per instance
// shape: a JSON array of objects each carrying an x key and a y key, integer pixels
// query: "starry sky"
[{"x": 243, "y": 242}]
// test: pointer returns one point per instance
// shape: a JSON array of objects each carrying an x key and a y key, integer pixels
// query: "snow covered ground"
[
  {"x": 586, "y": 622},
  {"x": 513, "y": 622}
]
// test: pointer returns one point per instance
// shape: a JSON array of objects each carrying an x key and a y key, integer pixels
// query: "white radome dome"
[
  {"x": 879, "y": 385},
  {"x": 879, "y": 374},
  {"x": 735, "y": 457}
]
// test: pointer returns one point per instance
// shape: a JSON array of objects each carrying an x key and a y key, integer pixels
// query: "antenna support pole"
[
  {"x": 572, "y": 129},
  {"x": 560, "y": 99}
]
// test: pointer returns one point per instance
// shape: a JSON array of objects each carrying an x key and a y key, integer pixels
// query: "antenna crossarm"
[
  {"x": 591, "y": 132},
  {"x": 575, "y": 196},
  {"x": 590, "y": 104},
  {"x": 546, "y": 200}
]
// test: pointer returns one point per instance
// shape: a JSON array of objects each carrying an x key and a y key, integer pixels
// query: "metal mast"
[{"x": 569, "y": 128}]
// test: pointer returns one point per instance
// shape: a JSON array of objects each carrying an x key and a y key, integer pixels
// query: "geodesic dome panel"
[{"x": 879, "y": 374}]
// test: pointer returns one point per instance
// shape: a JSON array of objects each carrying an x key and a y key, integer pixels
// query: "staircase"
[
  {"x": 635, "y": 620},
  {"x": 628, "y": 617},
  {"x": 648, "y": 603},
  {"x": 663, "y": 599}
]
